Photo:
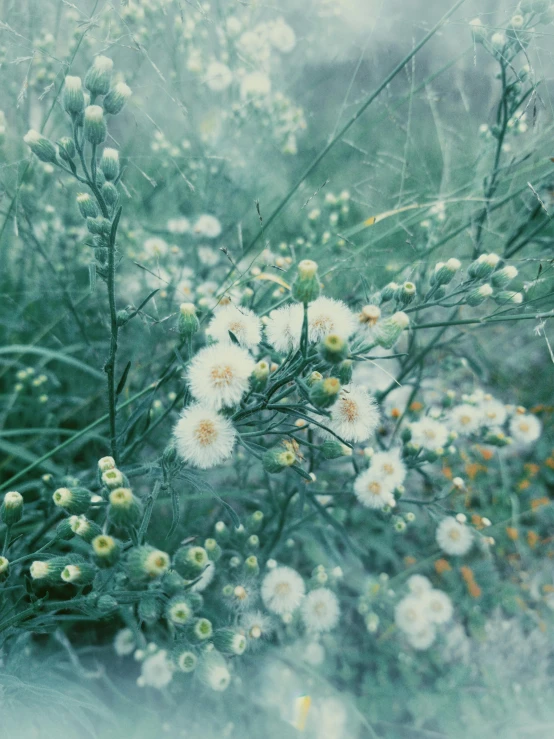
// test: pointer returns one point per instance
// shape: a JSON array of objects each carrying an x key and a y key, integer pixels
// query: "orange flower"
[
  {"x": 477, "y": 521},
  {"x": 487, "y": 454},
  {"x": 512, "y": 532},
  {"x": 524, "y": 484},
  {"x": 532, "y": 538},
  {"x": 395, "y": 413},
  {"x": 409, "y": 561},
  {"x": 416, "y": 406},
  {"x": 447, "y": 472},
  {"x": 549, "y": 462},
  {"x": 538, "y": 502}
]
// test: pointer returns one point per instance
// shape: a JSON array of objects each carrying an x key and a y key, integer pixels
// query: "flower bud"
[
  {"x": 78, "y": 574},
  {"x": 124, "y": 509},
  {"x": 173, "y": 583},
  {"x": 508, "y": 296},
  {"x": 253, "y": 541},
  {"x": 229, "y": 641},
  {"x": 4, "y": 566},
  {"x": 504, "y": 276},
  {"x": 324, "y": 393},
  {"x": 213, "y": 671},
  {"x": 12, "y": 508},
  {"x": 275, "y": 460},
  {"x": 406, "y": 293},
  {"x": 113, "y": 479},
  {"x": 99, "y": 76},
  {"x": 255, "y": 521},
  {"x": 306, "y": 288},
  {"x": 95, "y": 125},
  {"x": 186, "y": 660},
  {"x": 200, "y": 630},
  {"x": 188, "y": 323},
  {"x": 260, "y": 376},
  {"x": 370, "y": 314},
  {"x": 333, "y": 449},
  {"x": 149, "y": 608},
  {"x": 74, "y": 500},
  {"x": 81, "y": 526},
  {"x": 146, "y": 562},
  {"x": 99, "y": 226},
  {"x": 213, "y": 549},
  {"x": 190, "y": 561},
  {"x": 483, "y": 266},
  {"x": 478, "y": 295},
  {"x": 178, "y": 610},
  {"x": 106, "y": 604},
  {"x": 389, "y": 330},
  {"x": 48, "y": 572},
  {"x": 73, "y": 96},
  {"x": 41, "y": 147},
  {"x": 313, "y": 378},
  {"x": 251, "y": 564},
  {"x": 221, "y": 531},
  {"x": 116, "y": 98},
  {"x": 110, "y": 193},
  {"x": 109, "y": 164},
  {"x": 64, "y": 530},
  {"x": 106, "y": 550},
  {"x": 66, "y": 148},
  {"x": 389, "y": 291},
  {"x": 88, "y": 209},
  {"x": 333, "y": 349},
  {"x": 444, "y": 272},
  {"x": 344, "y": 371}
]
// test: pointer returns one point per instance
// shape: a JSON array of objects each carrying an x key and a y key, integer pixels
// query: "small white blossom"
[
  {"x": 218, "y": 375},
  {"x": 156, "y": 671},
  {"x": 242, "y": 322},
  {"x": 355, "y": 415},
  {"x": 454, "y": 537},
  {"x": 203, "y": 437},
  {"x": 429, "y": 434},
  {"x": 207, "y": 226},
  {"x": 320, "y": 610},
  {"x": 282, "y": 590},
  {"x": 372, "y": 491},
  {"x": 124, "y": 643},
  {"x": 465, "y": 419},
  {"x": 525, "y": 428}
]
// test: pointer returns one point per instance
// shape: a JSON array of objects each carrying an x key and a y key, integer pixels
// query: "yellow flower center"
[{"x": 205, "y": 433}]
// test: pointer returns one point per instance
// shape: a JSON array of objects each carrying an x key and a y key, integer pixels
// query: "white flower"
[
  {"x": 320, "y": 610},
  {"x": 372, "y": 491},
  {"x": 465, "y": 419},
  {"x": 355, "y": 415},
  {"x": 207, "y": 256},
  {"x": 242, "y": 322},
  {"x": 493, "y": 413},
  {"x": 313, "y": 653},
  {"x": 254, "y": 43},
  {"x": 255, "y": 84},
  {"x": 214, "y": 672},
  {"x": 389, "y": 467},
  {"x": 429, "y": 434},
  {"x": 419, "y": 584},
  {"x": 218, "y": 76},
  {"x": 156, "y": 671},
  {"x": 284, "y": 327},
  {"x": 410, "y": 615},
  {"x": 525, "y": 428},
  {"x": 124, "y": 643},
  {"x": 439, "y": 606},
  {"x": 256, "y": 625},
  {"x": 423, "y": 639},
  {"x": 207, "y": 226},
  {"x": 454, "y": 537},
  {"x": 282, "y": 590},
  {"x": 155, "y": 247},
  {"x": 178, "y": 225},
  {"x": 328, "y": 316},
  {"x": 205, "y": 578},
  {"x": 282, "y": 37},
  {"x": 203, "y": 437},
  {"x": 218, "y": 375}
]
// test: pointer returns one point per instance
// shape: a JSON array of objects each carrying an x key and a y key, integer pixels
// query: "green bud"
[
  {"x": 99, "y": 226},
  {"x": 109, "y": 164},
  {"x": 124, "y": 509},
  {"x": 188, "y": 323},
  {"x": 87, "y": 205},
  {"x": 106, "y": 604},
  {"x": 116, "y": 98},
  {"x": 213, "y": 549},
  {"x": 74, "y": 500},
  {"x": 325, "y": 392},
  {"x": 81, "y": 526},
  {"x": 64, "y": 530},
  {"x": 221, "y": 531},
  {"x": 66, "y": 148},
  {"x": 173, "y": 583},
  {"x": 508, "y": 296},
  {"x": 73, "y": 95},
  {"x": 78, "y": 574},
  {"x": 313, "y": 378},
  {"x": 178, "y": 610},
  {"x": 41, "y": 147},
  {"x": 344, "y": 371},
  {"x": 110, "y": 193},
  {"x": 255, "y": 521},
  {"x": 390, "y": 329},
  {"x": 146, "y": 563},
  {"x": 260, "y": 376},
  {"x": 333, "y": 349},
  {"x": 99, "y": 76},
  {"x": 4, "y": 567},
  {"x": 106, "y": 550},
  {"x": 49, "y": 571},
  {"x": 200, "y": 630},
  {"x": 186, "y": 660},
  {"x": 483, "y": 266},
  {"x": 504, "y": 276},
  {"x": 444, "y": 272},
  {"x": 229, "y": 641},
  {"x": 333, "y": 449},
  {"x": 149, "y": 608},
  {"x": 11, "y": 509},
  {"x": 253, "y": 541},
  {"x": 478, "y": 295},
  {"x": 251, "y": 565},
  {"x": 406, "y": 293},
  {"x": 190, "y": 561},
  {"x": 113, "y": 479},
  {"x": 389, "y": 291},
  {"x": 276, "y": 460},
  {"x": 195, "y": 600},
  {"x": 306, "y": 288},
  {"x": 95, "y": 125}
]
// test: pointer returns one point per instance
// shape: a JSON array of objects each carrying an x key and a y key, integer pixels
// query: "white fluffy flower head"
[
  {"x": 282, "y": 590},
  {"x": 454, "y": 537},
  {"x": 429, "y": 433},
  {"x": 525, "y": 428},
  {"x": 284, "y": 328},
  {"x": 242, "y": 322},
  {"x": 389, "y": 467},
  {"x": 203, "y": 437},
  {"x": 355, "y": 415},
  {"x": 218, "y": 375},
  {"x": 328, "y": 316},
  {"x": 372, "y": 491},
  {"x": 320, "y": 610}
]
